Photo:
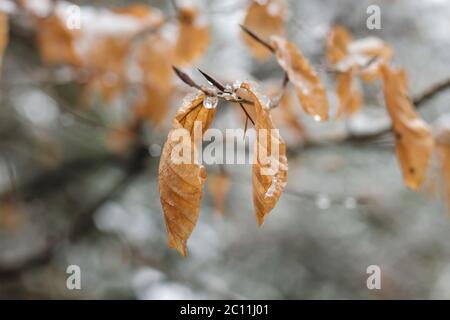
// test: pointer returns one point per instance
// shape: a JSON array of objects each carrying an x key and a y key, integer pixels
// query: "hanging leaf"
[
  {"x": 308, "y": 86},
  {"x": 193, "y": 36},
  {"x": 181, "y": 184},
  {"x": 414, "y": 141},
  {"x": 364, "y": 55},
  {"x": 349, "y": 96},
  {"x": 106, "y": 63},
  {"x": 337, "y": 45},
  {"x": 4, "y": 30},
  {"x": 56, "y": 42},
  {"x": 152, "y": 16},
  {"x": 370, "y": 53},
  {"x": 155, "y": 58},
  {"x": 265, "y": 18},
  {"x": 286, "y": 115},
  {"x": 443, "y": 150},
  {"x": 101, "y": 47},
  {"x": 105, "y": 49},
  {"x": 269, "y": 173},
  {"x": 218, "y": 187}
]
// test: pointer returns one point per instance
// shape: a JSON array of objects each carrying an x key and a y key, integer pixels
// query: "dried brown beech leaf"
[
  {"x": 349, "y": 95},
  {"x": 106, "y": 62},
  {"x": 100, "y": 50},
  {"x": 364, "y": 55},
  {"x": 193, "y": 37},
  {"x": 181, "y": 184},
  {"x": 308, "y": 86},
  {"x": 107, "y": 58},
  {"x": 375, "y": 53},
  {"x": 414, "y": 141},
  {"x": 218, "y": 187},
  {"x": 443, "y": 149},
  {"x": 4, "y": 28},
  {"x": 155, "y": 59},
  {"x": 141, "y": 11},
  {"x": 337, "y": 42},
  {"x": 269, "y": 173},
  {"x": 286, "y": 116},
  {"x": 265, "y": 18},
  {"x": 56, "y": 41}
]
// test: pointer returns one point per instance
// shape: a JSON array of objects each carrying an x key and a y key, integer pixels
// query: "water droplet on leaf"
[{"x": 210, "y": 102}]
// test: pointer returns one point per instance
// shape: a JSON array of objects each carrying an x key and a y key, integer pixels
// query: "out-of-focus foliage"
[{"x": 85, "y": 113}]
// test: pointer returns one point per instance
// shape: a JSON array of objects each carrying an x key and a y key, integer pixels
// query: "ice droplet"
[
  {"x": 274, "y": 9},
  {"x": 237, "y": 85},
  {"x": 272, "y": 188},
  {"x": 323, "y": 202},
  {"x": 210, "y": 102}
]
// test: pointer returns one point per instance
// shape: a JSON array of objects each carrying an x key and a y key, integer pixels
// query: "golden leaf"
[
  {"x": 56, "y": 41},
  {"x": 181, "y": 184},
  {"x": 364, "y": 55},
  {"x": 141, "y": 11},
  {"x": 308, "y": 86},
  {"x": 285, "y": 115},
  {"x": 270, "y": 165},
  {"x": 376, "y": 53},
  {"x": 337, "y": 43},
  {"x": 106, "y": 63},
  {"x": 155, "y": 59},
  {"x": 218, "y": 187},
  {"x": 107, "y": 59},
  {"x": 265, "y": 19},
  {"x": 443, "y": 151},
  {"x": 193, "y": 37},
  {"x": 4, "y": 29},
  {"x": 414, "y": 141},
  {"x": 349, "y": 96}
]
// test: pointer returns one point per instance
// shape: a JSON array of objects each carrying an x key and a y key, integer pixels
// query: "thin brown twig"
[
  {"x": 276, "y": 101},
  {"x": 257, "y": 38},
  {"x": 246, "y": 113},
  {"x": 419, "y": 102}
]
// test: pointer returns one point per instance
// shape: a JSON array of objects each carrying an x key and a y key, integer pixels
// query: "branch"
[
  {"x": 420, "y": 101},
  {"x": 257, "y": 38}
]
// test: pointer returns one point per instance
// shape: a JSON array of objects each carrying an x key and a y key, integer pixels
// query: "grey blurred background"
[{"x": 74, "y": 205}]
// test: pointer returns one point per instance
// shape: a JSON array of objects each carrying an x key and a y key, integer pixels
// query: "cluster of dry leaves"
[
  {"x": 140, "y": 38},
  {"x": 368, "y": 59},
  {"x": 116, "y": 47}
]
